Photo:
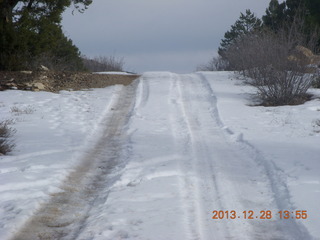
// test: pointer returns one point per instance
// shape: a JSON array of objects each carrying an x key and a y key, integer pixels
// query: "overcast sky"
[{"x": 156, "y": 35}]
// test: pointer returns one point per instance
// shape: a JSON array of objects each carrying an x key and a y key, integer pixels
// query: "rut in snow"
[{"x": 65, "y": 214}]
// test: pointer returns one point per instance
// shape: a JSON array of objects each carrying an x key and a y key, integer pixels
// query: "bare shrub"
[
  {"x": 6, "y": 134},
  {"x": 316, "y": 82},
  {"x": 316, "y": 126},
  {"x": 55, "y": 63},
  {"x": 263, "y": 56},
  {"x": 215, "y": 64},
  {"x": 18, "y": 111},
  {"x": 104, "y": 64}
]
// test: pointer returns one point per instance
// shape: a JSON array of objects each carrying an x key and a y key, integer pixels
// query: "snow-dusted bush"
[{"x": 6, "y": 134}]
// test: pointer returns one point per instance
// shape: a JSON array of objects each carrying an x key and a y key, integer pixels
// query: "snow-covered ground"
[{"x": 155, "y": 160}]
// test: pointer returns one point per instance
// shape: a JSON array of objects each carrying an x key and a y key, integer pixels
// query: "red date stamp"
[{"x": 264, "y": 214}]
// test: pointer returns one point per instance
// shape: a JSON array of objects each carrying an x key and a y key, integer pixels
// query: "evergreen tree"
[
  {"x": 278, "y": 15},
  {"x": 246, "y": 23},
  {"x": 292, "y": 7},
  {"x": 275, "y": 15},
  {"x": 31, "y": 29}
]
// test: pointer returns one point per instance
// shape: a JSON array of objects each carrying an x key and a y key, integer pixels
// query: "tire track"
[
  {"x": 198, "y": 189},
  {"x": 212, "y": 155},
  {"x": 64, "y": 215},
  {"x": 182, "y": 140},
  {"x": 271, "y": 175}
]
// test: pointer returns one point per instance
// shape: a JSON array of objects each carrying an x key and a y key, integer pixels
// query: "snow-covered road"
[{"x": 162, "y": 164}]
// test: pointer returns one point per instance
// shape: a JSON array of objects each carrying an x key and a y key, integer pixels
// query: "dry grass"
[
  {"x": 18, "y": 111},
  {"x": 6, "y": 134}
]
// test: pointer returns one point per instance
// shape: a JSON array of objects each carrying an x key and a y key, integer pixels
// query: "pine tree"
[
  {"x": 313, "y": 7},
  {"x": 279, "y": 16},
  {"x": 275, "y": 15},
  {"x": 31, "y": 29},
  {"x": 246, "y": 23}
]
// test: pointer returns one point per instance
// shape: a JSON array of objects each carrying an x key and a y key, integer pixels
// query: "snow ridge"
[{"x": 192, "y": 186}]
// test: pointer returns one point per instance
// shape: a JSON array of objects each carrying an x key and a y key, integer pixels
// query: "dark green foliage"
[
  {"x": 31, "y": 32},
  {"x": 314, "y": 8},
  {"x": 313, "y": 17},
  {"x": 283, "y": 15},
  {"x": 246, "y": 23},
  {"x": 275, "y": 15},
  {"x": 280, "y": 14},
  {"x": 311, "y": 8}
]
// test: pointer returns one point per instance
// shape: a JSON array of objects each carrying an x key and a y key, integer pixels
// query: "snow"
[{"x": 155, "y": 159}]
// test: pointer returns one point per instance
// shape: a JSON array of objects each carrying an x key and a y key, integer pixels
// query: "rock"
[
  {"x": 306, "y": 58},
  {"x": 26, "y": 86},
  {"x": 26, "y": 72},
  {"x": 43, "y": 68},
  {"x": 305, "y": 51},
  {"x": 10, "y": 85},
  {"x": 38, "y": 86},
  {"x": 43, "y": 77}
]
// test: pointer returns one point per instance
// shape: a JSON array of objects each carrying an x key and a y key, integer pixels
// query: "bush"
[
  {"x": 6, "y": 134},
  {"x": 281, "y": 87},
  {"x": 316, "y": 82},
  {"x": 215, "y": 64},
  {"x": 264, "y": 57},
  {"x": 104, "y": 64}
]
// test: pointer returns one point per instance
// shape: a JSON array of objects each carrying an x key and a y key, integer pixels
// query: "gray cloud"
[{"x": 173, "y": 35}]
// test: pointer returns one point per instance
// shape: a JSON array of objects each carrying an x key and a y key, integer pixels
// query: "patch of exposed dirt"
[{"x": 54, "y": 81}]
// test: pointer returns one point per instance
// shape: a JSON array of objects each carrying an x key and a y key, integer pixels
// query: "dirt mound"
[{"x": 55, "y": 81}]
